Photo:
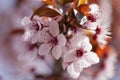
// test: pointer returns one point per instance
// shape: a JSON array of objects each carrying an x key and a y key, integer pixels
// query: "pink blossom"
[
  {"x": 52, "y": 40},
  {"x": 31, "y": 28},
  {"x": 93, "y": 18},
  {"x": 102, "y": 30},
  {"x": 45, "y": 32},
  {"x": 34, "y": 26},
  {"x": 101, "y": 35},
  {"x": 80, "y": 57}
]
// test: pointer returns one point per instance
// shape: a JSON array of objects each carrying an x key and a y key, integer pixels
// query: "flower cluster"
[{"x": 61, "y": 29}]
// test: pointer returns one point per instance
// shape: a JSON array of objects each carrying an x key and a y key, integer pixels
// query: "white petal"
[
  {"x": 70, "y": 56},
  {"x": 54, "y": 28},
  {"x": 61, "y": 40},
  {"x": 94, "y": 8},
  {"x": 91, "y": 57},
  {"x": 27, "y": 35},
  {"x": 85, "y": 44},
  {"x": 71, "y": 72},
  {"x": 91, "y": 25},
  {"x": 44, "y": 49},
  {"x": 57, "y": 52},
  {"x": 78, "y": 66},
  {"x": 84, "y": 62},
  {"x": 76, "y": 39}
]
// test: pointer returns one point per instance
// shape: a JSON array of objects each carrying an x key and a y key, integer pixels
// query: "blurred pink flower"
[
  {"x": 32, "y": 28},
  {"x": 102, "y": 34},
  {"x": 45, "y": 32}
]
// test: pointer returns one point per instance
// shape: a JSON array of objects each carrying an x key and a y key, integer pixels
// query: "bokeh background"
[{"x": 11, "y": 14}]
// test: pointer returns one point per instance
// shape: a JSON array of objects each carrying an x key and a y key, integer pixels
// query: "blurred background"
[{"x": 13, "y": 61}]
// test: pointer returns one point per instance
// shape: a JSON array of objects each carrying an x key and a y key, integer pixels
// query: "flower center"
[
  {"x": 92, "y": 18},
  {"x": 54, "y": 41},
  {"x": 31, "y": 46},
  {"x": 79, "y": 52},
  {"x": 36, "y": 27},
  {"x": 98, "y": 30}
]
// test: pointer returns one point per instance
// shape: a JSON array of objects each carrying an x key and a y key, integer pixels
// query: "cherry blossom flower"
[
  {"x": 31, "y": 28},
  {"x": 80, "y": 57},
  {"x": 99, "y": 27},
  {"x": 103, "y": 29},
  {"x": 34, "y": 26},
  {"x": 109, "y": 66},
  {"x": 101, "y": 35},
  {"x": 52, "y": 40},
  {"x": 93, "y": 19},
  {"x": 45, "y": 32}
]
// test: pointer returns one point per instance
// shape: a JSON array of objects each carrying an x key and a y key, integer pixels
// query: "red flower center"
[
  {"x": 79, "y": 52},
  {"x": 98, "y": 30},
  {"x": 36, "y": 27},
  {"x": 54, "y": 41},
  {"x": 92, "y": 18}
]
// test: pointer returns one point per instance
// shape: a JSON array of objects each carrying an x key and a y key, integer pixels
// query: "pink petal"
[
  {"x": 27, "y": 35},
  {"x": 39, "y": 24},
  {"x": 26, "y": 21},
  {"x": 72, "y": 72},
  {"x": 45, "y": 20},
  {"x": 84, "y": 62},
  {"x": 91, "y": 57},
  {"x": 61, "y": 40},
  {"x": 37, "y": 19},
  {"x": 44, "y": 36},
  {"x": 54, "y": 28},
  {"x": 57, "y": 52},
  {"x": 35, "y": 37},
  {"x": 57, "y": 18},
  {"x": 64, "y": 65},
  {"x": 44, "y": 49},
  {"x": 85, "y": 44},
  {"x": 91, "y": 25},
  {"x": 76, "y": 39},
  {"x": 70, "y": 56}
]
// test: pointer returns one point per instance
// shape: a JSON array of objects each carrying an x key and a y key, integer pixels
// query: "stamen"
[{"x": 79, "y": 52}]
